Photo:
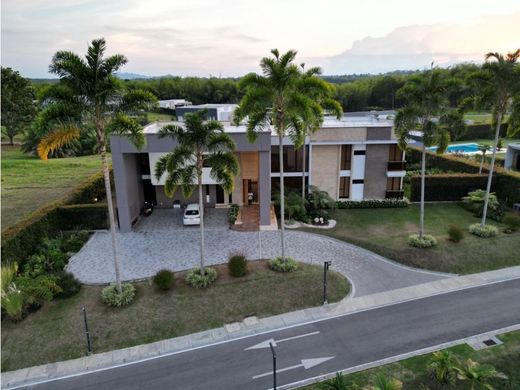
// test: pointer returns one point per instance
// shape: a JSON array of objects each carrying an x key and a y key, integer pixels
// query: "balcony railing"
[
  {"x": 396, "y": 166},
  {"x": 394, "y": 194}
]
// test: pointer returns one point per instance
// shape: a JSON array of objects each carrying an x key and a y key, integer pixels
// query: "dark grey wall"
[
  {"x": 379, "y": 133},
  {"x": 376, "y": 162},
  {"x": 264, "y": 185},
  {"x": 163, "y": 201}
]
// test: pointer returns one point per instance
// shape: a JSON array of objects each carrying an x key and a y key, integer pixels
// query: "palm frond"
[
  {"x": 136, "y": 100},
  {"x": 127, "y": 127},
  {"x": 56, "y": 139}
]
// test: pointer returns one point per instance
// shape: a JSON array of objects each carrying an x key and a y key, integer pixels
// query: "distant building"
[
  {"x": 172, "y": 104},
  {"x": 513, "y": 157},
  {"x": 219, "y": 112}
]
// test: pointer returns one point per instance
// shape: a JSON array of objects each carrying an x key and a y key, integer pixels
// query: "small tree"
[
  {"x": 478, "y": 375},
  {"x": 18, "y": 107},
  {"x": 483, "y": 150},
  {"x": 442, "y": 367},
  {"x": 200, "y": 143},
  {"x": 427, "y": 110}
]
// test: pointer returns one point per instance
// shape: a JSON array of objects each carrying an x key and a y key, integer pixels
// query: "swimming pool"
[{"x": 459, "y": 148}]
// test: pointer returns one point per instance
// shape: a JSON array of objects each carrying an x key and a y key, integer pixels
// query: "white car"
[{"x": 191, "y": 215}]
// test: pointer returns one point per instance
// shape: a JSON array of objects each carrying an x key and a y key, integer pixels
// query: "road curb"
[{"x": 249, "y": 328}]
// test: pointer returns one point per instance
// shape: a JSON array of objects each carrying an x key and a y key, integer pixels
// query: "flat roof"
[{"x": 328, "y": 123}]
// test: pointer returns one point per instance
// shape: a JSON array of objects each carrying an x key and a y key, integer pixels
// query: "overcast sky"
[{"x": 228, "y": 38}]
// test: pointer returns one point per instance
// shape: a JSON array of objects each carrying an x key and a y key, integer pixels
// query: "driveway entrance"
[{"x": 163, "y": 220}]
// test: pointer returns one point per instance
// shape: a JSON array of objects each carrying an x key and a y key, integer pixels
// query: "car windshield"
[{"x": 192, "y": 212}]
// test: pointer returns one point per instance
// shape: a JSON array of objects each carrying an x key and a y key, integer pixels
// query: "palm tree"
[
  {"x": 89, "y": 95},
  {"x": 478, "y": 375},
  {"x": 499, "y": 83},
  {"x": 382, "y": 382},
  {"x": 313, "y": 121},
  {"x": 442, "y": 366},
  {"x": 200, "y": 144},
  {"x": 427, "y": 110},
  {"x": 284, "y": 98},
  {"x": 483, "y": 150}
]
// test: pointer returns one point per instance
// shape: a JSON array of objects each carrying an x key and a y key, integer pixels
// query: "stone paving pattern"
[{"x": 161, "y": 242}]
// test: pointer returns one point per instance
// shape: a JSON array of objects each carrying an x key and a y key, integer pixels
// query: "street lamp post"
[
  {"x": 274, "y": 364},
  {"x": 326, "y": 266}
]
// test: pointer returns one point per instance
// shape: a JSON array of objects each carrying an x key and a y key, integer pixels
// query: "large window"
[
  {"x": 395, "y": 153},
  {"x": 292, "y": 159},
  {"x": 344, "y": 187},
  {"x": 289, "y": 183},
  {"x": 346, "y": 156},
  {"x": 393, "y": 184}
]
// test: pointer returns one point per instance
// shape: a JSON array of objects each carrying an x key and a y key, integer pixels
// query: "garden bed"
[{"x": 55, "y": 332}]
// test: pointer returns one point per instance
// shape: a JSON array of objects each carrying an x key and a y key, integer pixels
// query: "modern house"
[
  {"x": 512, "y": 157},
  {"x": 356, "y": 158}
]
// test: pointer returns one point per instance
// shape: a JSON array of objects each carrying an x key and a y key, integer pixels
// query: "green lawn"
[
  {"x": 55, "y": 332},
  {"x": 28, "y": 182},
  {"x": 413, "y": 372},
  {"x": 159, "y": 117},
  {"x": 385, "y": 231}
]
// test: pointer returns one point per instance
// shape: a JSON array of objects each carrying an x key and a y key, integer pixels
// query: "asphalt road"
[{"x": 347, "y": 341}]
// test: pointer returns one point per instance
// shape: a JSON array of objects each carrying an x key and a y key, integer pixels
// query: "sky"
[{"x": 228, "y": 38}]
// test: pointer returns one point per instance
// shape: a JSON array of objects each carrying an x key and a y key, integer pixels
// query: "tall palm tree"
[
  {"x": 483, "y": 150},
  {"x": 499, "y": 86},
  {"x": 282, "y": 97},
  {"x": 200, "y": 144},
  {"x": 478, "y": 375},
  {"x": 89, "y": 95},
  {"x": 427, "y": 110},
  {"x": 312, "y": 122}
]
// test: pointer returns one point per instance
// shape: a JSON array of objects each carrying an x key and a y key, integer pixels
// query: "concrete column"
[
  {"x": 264, "y": 184},
  {"x": 120, "y": 179}
]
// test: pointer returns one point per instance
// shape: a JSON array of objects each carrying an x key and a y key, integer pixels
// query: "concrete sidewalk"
[{"x": 250, "y": 326}]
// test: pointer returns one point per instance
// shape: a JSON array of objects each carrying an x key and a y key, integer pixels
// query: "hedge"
[
  {"x": 483, "y": 131},
  {"x": 446, "y": 187},
  {"x": 372, "y": 203},
  {"x": 505, "y": 183},
  {"x": 21, "y": 240}
]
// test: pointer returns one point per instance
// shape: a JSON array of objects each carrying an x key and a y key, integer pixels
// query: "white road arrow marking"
[
  {"x": 305, "y": 363},
  {"x": 265, "y": 344}
]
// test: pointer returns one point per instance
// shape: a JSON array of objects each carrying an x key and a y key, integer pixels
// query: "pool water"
[{"x": 461, "y": 148}]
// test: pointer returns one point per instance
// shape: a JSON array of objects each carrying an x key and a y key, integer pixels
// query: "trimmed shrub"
[
  {"x": 446, "y": 187},
  {"x": 506, "y": 183},
  {"x": 111, "y": 297},
  {"x": 83, "y": 217},
  {"x": 474, "y": 202},
  {"x": 69, "y": 285},
  {"x": 481, "y": 131},
  {"x": 455, "y": 233},
  {"x": 427, "y": 241},
  {"x": 233, "y": 213},
  {"x": 163, "y": 279},
  {"x": 195, "y": 279},
  {"x": 38, "y": 289},
  {"x": 483, "y": 232},
  {"x": 74, "y": 242},
  {"x": 237, "y": 265},
  {"x": 512, "y": 222},
  {"x": 372, "y": 203},
  {"x": 283, "y": 265}
]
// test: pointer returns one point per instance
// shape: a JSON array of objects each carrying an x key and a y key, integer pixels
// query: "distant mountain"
[{"x": 131, "y": 76}]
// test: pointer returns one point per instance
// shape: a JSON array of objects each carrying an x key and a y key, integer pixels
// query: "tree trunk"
[
  {"x": 111, "y": 215},
  {"x": 201, "y": 214},
  {"x": 481, "y": 163},
  {"x": 282, "y": 196},
  {"x": 423, "y": 174},
  {"x": 303, "y": 169},
  {"x": 11, "y": 140},
  {"x": 491, "y": 168}
]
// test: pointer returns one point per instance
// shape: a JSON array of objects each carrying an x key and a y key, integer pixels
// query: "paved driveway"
[
  {"x": 143, "y": 253},
  {"x": 171, "y": 219}
]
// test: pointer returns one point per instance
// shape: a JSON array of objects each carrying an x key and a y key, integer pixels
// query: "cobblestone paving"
[{"x": 143, "y": 253}]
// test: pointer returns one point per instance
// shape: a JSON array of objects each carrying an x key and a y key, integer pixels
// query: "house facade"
[{"x": 356, "y": 158}]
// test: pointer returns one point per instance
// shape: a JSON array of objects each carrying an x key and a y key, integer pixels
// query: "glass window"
[
  {"x": 344, "y": 187},
  {"x": 346, "y": 156},
  {"x": 395, "y": 153},
  {"x": 292, "y": 159},
  {"x": 393, "y": 184},
  {"x": 290, "y": 184}
]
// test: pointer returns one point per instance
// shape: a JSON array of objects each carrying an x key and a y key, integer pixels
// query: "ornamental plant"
[
  {"x": 485, "y": 231},
  {"x": 111, "y": 296},
  {"x": 426, "y": 241},
  {"x": 195, "y": 278},
  {"x": 278, "y": 264}
]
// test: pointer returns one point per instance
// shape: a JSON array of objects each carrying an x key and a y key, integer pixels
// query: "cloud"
[{"x": 416, "y": 46}]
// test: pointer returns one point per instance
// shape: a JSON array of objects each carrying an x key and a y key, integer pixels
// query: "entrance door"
[{"x": 220, "y": 195}]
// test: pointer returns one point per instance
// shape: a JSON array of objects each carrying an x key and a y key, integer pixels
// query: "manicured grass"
[
  {"x": 28, "y": 182},
  {"x": 159, "y": 117},
  {"x": 385, "y": 231},
  {"x": 413, "y": 372},
  {"x": 55, "y": 332}
]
